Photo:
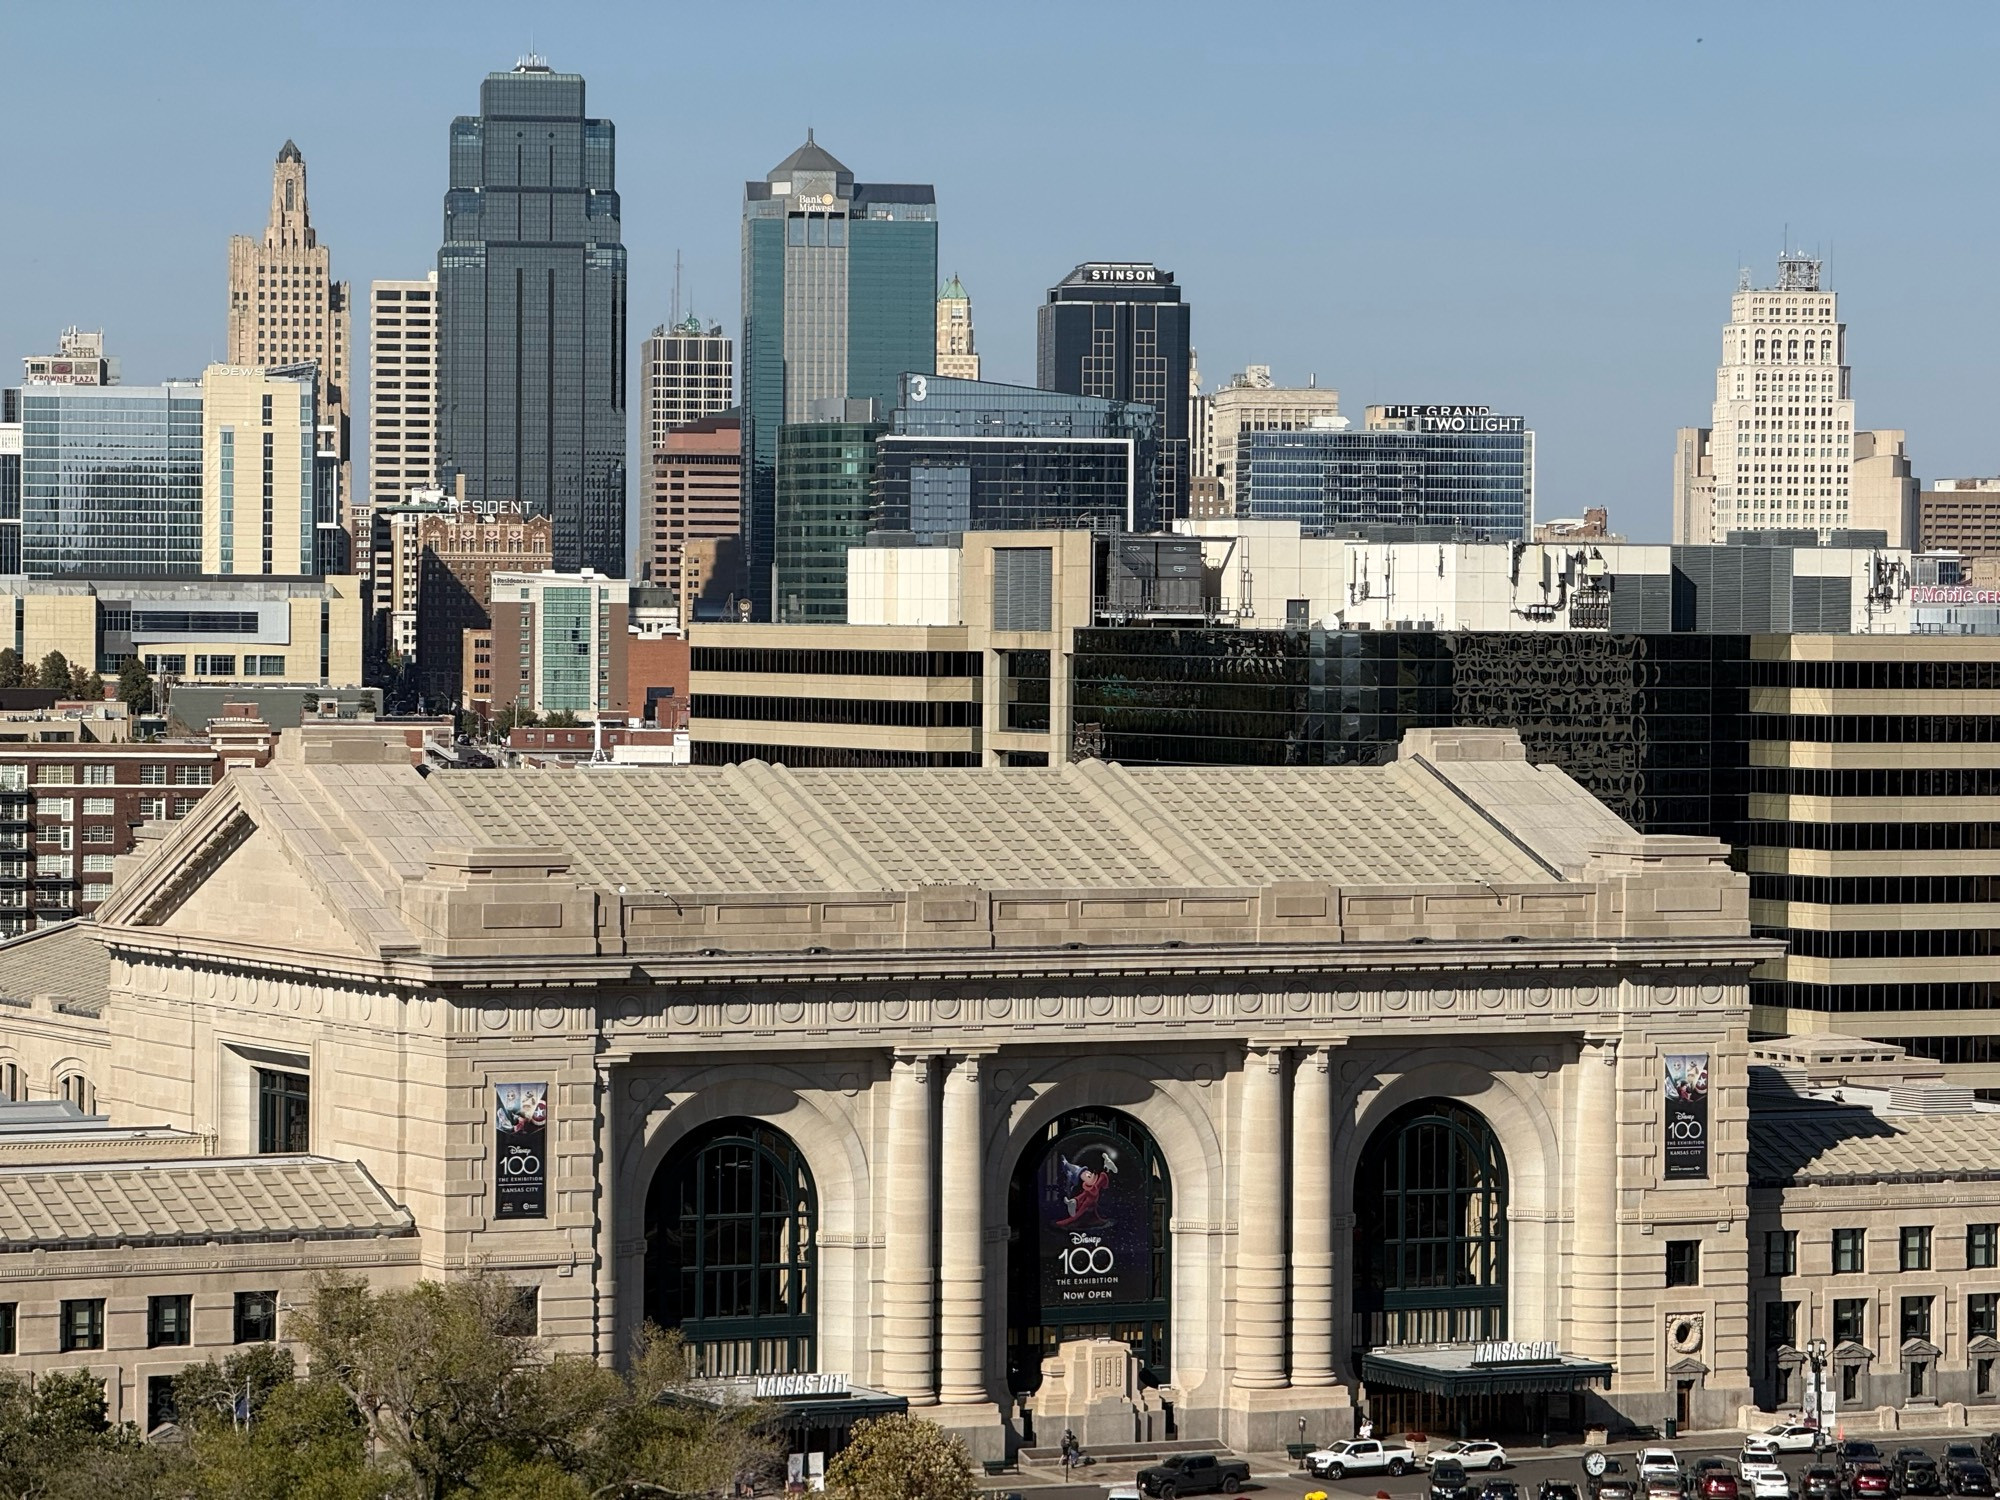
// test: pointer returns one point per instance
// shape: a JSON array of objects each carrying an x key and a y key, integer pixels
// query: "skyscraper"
[
  {"x": 531, "y": 315},
  {"x": 402, "y": 391},
  {"x": 111, "y": 479},
  {"x": 1782, "y": 442},
  {"x": 260, "y": 510},
  {"x": 839, "y": 303},
  {"x": 285, "y": 308},
  {"x": 955, "y": 353},
  {"x": 686, "y": 372},
  {"x": 1120, "y": 329}
]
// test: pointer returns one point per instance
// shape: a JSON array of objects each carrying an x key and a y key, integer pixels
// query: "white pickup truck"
[{"x": 1361, "y": 1456}]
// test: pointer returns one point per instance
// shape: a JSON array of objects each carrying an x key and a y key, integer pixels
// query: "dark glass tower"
[
  {"x": 531, "y": 315},
  {"x": 839, "y": 303},
  {"x": 1119, "y": 329}
]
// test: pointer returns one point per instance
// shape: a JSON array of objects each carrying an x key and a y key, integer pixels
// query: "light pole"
[{"x": 1816, "y": 1350}]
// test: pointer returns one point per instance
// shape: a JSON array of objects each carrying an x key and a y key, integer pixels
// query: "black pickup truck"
[{"x": 1194, "y": 1474}]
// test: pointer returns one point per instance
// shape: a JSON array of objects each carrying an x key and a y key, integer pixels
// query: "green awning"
[{"x": 1454, "y": 1372}]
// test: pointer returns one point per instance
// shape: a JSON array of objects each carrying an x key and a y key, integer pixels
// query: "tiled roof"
[
  {"x": 190, "y": 1202},
  {"x": 1841, "y": 1143},
  {"x": 65, "y": 961},
  {"x": 767, "y": 828}
]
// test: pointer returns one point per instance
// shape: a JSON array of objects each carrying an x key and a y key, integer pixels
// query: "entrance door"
[{"x": 1684, "y": 1404}]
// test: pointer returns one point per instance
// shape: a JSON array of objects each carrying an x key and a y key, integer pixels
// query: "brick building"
[{"x": 457, "y": 558}]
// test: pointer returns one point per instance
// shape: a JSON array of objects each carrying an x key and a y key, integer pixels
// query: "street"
[{"x": 1532, "y": 1466}]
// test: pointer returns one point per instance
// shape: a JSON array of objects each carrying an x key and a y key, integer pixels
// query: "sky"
[{"x": 1543, "y": 208}]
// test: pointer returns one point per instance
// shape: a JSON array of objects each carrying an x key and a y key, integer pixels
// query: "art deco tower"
[
  {"x": 955, "y": 352},
  {"x": 285, "y": 308}
]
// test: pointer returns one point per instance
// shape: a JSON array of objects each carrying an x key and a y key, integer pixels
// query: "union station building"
[{"x": 1205, "y": 1103}]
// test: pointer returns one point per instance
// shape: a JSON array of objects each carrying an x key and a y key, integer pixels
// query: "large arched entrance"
[
  {"x": 1430, "y": 1243},
  {"x": 731, "y": 1235},
  {"x": 1430, "y": 1229},
  {"x": 1088, "y": 1250}
]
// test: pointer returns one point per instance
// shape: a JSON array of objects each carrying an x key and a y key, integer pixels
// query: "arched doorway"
[
  {"x": 732, "y": 1226},
  {"x": 1430, "y": 1229},
  {"x": 1088, "y": 1250}
]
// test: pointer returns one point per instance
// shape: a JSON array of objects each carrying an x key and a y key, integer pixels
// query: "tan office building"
[
  {"x": 1252, "y": 403},
  {"x": 285, "y": 308},
  {"x": 259, "y": 512},
  {"x": 694, "y": 492},
  {"x": 402, "y": 400},
  {"x": 955, "y": 352}
]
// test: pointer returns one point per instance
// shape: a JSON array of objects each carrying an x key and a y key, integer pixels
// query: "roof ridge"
[
  {"x": 1154, "y": 827},
  {"x": 826, "y": 847}
]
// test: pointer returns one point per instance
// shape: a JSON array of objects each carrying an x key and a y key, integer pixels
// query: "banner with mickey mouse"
[
  {"x": 521, "y": 1133},
  {"x": 1687, "y": 1115}
]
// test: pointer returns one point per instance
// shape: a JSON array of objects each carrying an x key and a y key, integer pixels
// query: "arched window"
[
  {"x": 77, "y": 1090},
  {"x": 1090, "y": 1256},
  {"x": 731, "y": 1249},
  {"x": 1430, "y": 1235}
]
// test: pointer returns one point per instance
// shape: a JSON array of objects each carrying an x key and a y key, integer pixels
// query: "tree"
[
  {"x": 302, "y": 1440},
  {"x": 448, "y": 1389},
  {"x": 135, "y": 685},
  {"x": 80, "y": 678},
  {"x": 54, "y": 672},
  {"x": 561, "y": 718},
  {"x": 57, "y": 1442},
  {"x": 11, "y": 669},
  {"x": 901, "y": 1457}
]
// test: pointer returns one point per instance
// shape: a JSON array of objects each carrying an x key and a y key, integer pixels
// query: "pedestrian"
[{"x": 1367, "y": 1427}]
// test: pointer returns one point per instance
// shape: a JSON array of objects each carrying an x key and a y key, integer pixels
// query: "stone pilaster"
[
  {"x": 1312, "y": 1219},
  {"x": 1594, "y": 1255},
  {"x": 962, "y": 1240},
  {"x": 909, "y": 1283},
  {"x": 1260, "y": 1223}
]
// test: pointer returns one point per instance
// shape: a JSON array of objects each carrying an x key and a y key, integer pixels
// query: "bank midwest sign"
[{"x": 1515, "y": 1352}]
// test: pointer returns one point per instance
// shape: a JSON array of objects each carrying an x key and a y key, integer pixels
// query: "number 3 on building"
[{"x": 920, "y": 387}]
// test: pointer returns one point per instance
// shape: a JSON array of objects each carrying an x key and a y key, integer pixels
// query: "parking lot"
[{"x": 1527, "y": 1469}]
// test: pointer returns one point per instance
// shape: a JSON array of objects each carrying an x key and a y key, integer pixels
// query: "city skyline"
[{"x": 1440, "y": 278}]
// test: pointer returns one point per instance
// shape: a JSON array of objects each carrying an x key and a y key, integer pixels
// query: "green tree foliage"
[
  {"x": 80, "y": 680},
  {"x": 561, "y": 718},
  {"x": 901, "y": 1457},
  {"x": 57, "y": 1444},
  {"x": 304, "y": 1441},
  {"x": 12, "y": 670},
  {"x": 135, "y": 685},
  {"x": 54, "y": 672}
]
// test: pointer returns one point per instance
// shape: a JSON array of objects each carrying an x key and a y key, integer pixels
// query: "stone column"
[
  {"x": 1312, "y": 1219},
  {"x": 1594, "y": 1268},
  {"x": 604, "y": 1341},
  {"x": 962, "y": 1240},
  {"x": 909, "y": 1280},
  {"x": 1260, "y": 1223}
]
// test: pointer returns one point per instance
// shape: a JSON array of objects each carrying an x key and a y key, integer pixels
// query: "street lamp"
[{"x": 1816, "y": 1352}]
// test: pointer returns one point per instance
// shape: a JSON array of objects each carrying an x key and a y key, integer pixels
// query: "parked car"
[
  {"x": 1448, "y": 1480},
  {"x": 1361, "y": 1456},
  {"x": 1193, "y": 1474},
  {"x": 1714, "y": 1479},
  {"x": 1123, "y": 1492},
  {"x": 1859, "y": 1451},
  {"x": 1556, "y": 1489},
  {"x": 1962, "y": 1453},
  {"x": 1916, "y": 1473},
  {"x": 1758, "y": 1447},
  {"x": 1967, "y": 1477},
  {"x": 1820, "y": 1483},
  {"x": 1500, "y": 1489},
  {"x": 1766, "y": 1481},
  {"x": 1474, "y": 1453},
  {"x": 1659, "y": 1461},
  {"x": 1870, "y": 1480},
  {"x": 1659, "y": 1487},
  {"x": 1790, "y": 1437}
]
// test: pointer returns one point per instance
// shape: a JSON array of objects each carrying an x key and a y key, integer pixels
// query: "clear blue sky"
[{"x": 1540, "y": 206}]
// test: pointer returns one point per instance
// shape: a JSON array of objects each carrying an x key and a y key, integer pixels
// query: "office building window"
[
  {"x": 1850, "y": 1320},
  {"x": 1915, "y": 1248},
  {"x": 256, "y": 1317},
  {"x": 1781, "y": 1252},
  {"x": 1982, "y": 1315},
  {"x": 8, "y": 1324},
  {"x": 1848, "y": 1250},
  {"x": 82, "y": 1324},
  {"x": 1981, "y": 1243},
  {"x": 1683, "y": 1262},
  {"x": 169, "y": 1322},
  {"x": 160, "y": 1407}
]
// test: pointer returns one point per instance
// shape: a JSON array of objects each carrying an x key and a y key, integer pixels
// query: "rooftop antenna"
[{"x": 676, "y": 316}]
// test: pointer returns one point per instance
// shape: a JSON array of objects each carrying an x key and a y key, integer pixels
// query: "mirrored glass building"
[
  {"x": 111, "y": 479},
  {"x": 531, "y": 314}
]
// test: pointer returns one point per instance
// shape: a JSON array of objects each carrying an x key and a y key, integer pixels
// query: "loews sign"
[{"x": 1514, "y": 1352}]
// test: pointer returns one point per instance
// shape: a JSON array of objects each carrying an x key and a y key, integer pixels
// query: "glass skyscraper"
[
  {"x": 111, "y": 479},
  {"x": 975, "y": 455},
  {"x": 839, "y": 303},
  {"x": 1119, "y": 329},
  {"x": 826, "y": 479},
  {"x": 1457, "y": 467},
  {"x": 531, "y": 315}
]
